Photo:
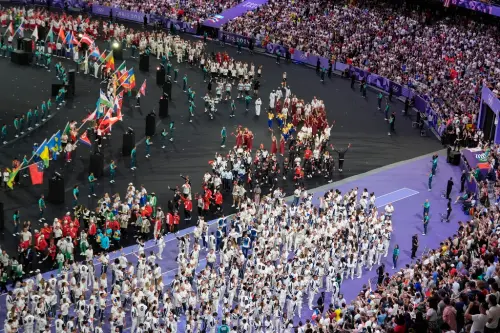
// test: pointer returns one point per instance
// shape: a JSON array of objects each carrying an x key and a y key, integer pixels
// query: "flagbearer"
[
  {"x": 176, "y": 74},
  {"x": 44, "y": 110},
  {"x": 41, "y": 207},
  {"x": 172, "y": 128},
  {"x": 76, "y": 194},
  {"x": 148, "y": 146},
  {"x": 112, "y": 171},
  {"x": 3, "y": 134},
  {"x": 25, "y": 162},
  {"x": 35, "y": 115},
  {"x": 184, "y": 83},
  {"x": 133, "y": 156},
  {"x": 29, "y": 116},
  {"x": 223, "y": 135},
  {"x": 92, "y": 180},
  {"x": 164, "y": 134},
  {"x": 21, "y": 124}
]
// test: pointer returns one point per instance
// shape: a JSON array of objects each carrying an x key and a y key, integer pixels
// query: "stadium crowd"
[
  {"x": 190, "y": 11},
  {"x": 389, "y": 43}
]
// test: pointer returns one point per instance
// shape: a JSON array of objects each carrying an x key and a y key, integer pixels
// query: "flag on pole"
[
  {"x": 142, "y": 90},
  {"x": 54, "y": 144},
  {"x": 43, "y": 153},
  {"x": 87, "y": 40},
  {"x": 95, "y": 52},
  {"x": 110, "y": 61},
  {"x": 10, "y": 29},
  {"x": 35, "y": 33},
  {"x": 102, "y": 57},
  {"x": 12, "y": 176},
  {"x": 84, "y": 139},
  {"x": 104, "y": 100},
  {"x": 67, "y": 129},
  {"x": 36, "y": 173},
  {"x": 61, "y": 35},
  {"x": 20, "y": 30},
  {"x": 121, "y": 67},
  {"x": 50, "y": 35},
  {"x": 91, "y": 116}
]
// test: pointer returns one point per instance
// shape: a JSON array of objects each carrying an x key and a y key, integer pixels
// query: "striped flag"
[
  {"x": 84, "y": 139},
  {"x": 447, "y": 3}
]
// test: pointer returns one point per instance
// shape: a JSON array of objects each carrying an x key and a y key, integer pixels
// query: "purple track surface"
[{"x": 404, "y": 184}]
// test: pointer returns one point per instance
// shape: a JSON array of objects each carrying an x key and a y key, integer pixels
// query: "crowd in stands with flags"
[
  {"x": 391, "y": 42},
  {"x": 190, "y": 11}
]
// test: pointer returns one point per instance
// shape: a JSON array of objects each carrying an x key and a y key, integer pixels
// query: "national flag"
[
  {"x": 110, "y": 61},
  {"x": 119, "y": 100},
  {"x": 91, "y": 116},
  {"x": 102, "y": 57},
  {"x": 142, "y": 90},
  {"x": 107, "y": 123},
  {"x": 121, "y": 67},
  {"x": 132, "y": 81},
  {"x": 67, "y": 129},
  {"x": 95, "y": 52},
  {"x": 50, "y": 35},
  {"x": 54, "y": 143},
  {"x": 87, "y": 40},
  {"x": 36, "y": 173},
  {"x": 35, "y": 33},
  {"x": 61, "y": 35},
  {"x": 104, "y": 100},
  {"x": 129, "y": 82},
  {"x": 447, "y": 3},
  {"x": 123, "y": 77},
  {"x": 84, "y": 139},
  {"x": 10, "y": 29},
  {"x": 43, "y": 153},
  {"x": 20, "y": 30},
  {"x": 12, "y": 176},
  {"x": 69, "y": 39}
]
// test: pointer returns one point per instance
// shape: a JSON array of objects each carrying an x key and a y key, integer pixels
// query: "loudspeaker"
[
  {"x": 163, "y": 107},
  {"x": 167, "y": 89},
  {"x": 56, "y": 190},
  {"x": 118, "y": 53},
  {"x": 20, "y": 58},
  {"x": 97, "y": 164},
  {"x": 2, "y": 216},
  {"x": 454, "y": 157},
  {"x": 150, "y": 124},
  {"x": 42, "y": 32},
  {"x": 160, "y": 76},
  {"x": 72, "y": 82},
  {"x": 144, "y": 62},
  {"x": 55, "y": 88},
  {"x": 128, "y": 143},
  {"x": 27, "y": 45}
]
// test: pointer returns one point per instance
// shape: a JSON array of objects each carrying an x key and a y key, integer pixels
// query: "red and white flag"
[
  {"x": 85, "y": 140},
  {"x": 10, "y": 29},
  {"x": 87, "y": 40},
  {"x": 142, "y": 90}
]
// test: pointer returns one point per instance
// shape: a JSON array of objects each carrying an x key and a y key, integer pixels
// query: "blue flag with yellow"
[{"x": 43, "y": 153}]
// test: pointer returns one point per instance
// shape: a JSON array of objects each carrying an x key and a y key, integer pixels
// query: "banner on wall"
[
  {"x": 128, "y": 15},
  {"x": 219, "y": 20},
  {"x": 477, "y": 6},
  {"x": 101, "y": 10}
]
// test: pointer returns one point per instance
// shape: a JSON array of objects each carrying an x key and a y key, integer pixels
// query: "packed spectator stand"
[{"x": 389, "y": 42}]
